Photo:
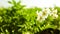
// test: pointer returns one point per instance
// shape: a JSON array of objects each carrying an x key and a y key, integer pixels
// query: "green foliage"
[{"x": 18, "y": 20}]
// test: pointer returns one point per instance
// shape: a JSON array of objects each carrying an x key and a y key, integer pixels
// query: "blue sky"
[{"x": 33, "y": 3}]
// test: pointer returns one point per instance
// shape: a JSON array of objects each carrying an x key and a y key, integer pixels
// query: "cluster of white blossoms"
[
  {"x": 42, "y": 15},
  {"x": 54, "y": 13}
]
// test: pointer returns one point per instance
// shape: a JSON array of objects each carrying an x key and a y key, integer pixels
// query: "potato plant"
[{"x": 20, "y": 20}]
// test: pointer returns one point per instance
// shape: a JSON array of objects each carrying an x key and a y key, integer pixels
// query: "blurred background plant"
[{"x": 20, "y": 20}]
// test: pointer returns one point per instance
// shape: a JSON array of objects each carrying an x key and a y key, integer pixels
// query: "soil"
[{"x": 49, "y": 31}]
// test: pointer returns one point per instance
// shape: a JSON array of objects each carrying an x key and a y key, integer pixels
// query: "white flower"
[
  {"x": 52, "y": 9},
  {"x": 42, "y": 15},
  {"x": 54, "y": 13},
  {"x": 55, "y": 16},
  {"x": 46, "y": 16},
  {"x": 39, "y": 15},
  {"x": 46, "y": 11},
  {"x": 40, "y": 18}
]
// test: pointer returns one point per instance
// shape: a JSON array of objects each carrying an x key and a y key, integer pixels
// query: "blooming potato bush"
[
  {"x": 20, "y": 20},
  {"x": 42, "y": 15}
]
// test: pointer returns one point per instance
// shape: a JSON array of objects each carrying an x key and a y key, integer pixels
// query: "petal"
[{"x": 55, "y": 11}]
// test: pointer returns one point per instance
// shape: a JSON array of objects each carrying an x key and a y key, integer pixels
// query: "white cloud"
[
  {"x": 41, "y": 3},
  {"x": 4, "y": 3},
  {"x": 32, "y": 3}
]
